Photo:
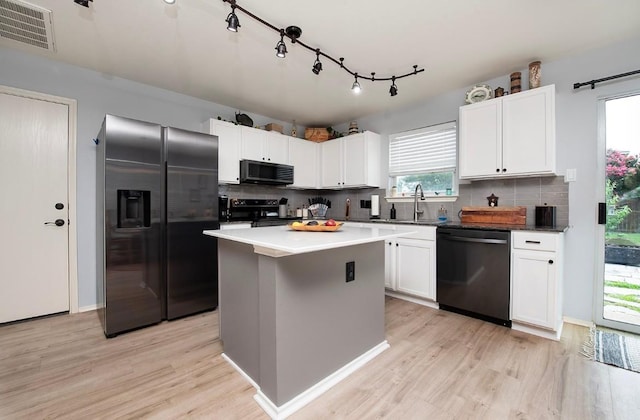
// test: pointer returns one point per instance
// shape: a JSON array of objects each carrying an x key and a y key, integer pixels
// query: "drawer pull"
[
  {"x": 532, "y": 242},
  {"x": 550, "y": 261}
]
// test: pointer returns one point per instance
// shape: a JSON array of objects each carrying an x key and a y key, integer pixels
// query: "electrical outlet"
[{"x": 351, "y": 271}]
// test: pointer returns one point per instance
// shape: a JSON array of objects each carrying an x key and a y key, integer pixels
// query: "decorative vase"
[
  {"x": 516, "y": 83},
  {"x": 353, "y": 127},
  {"x": 534, "y": 75},
  {"x": 498, "y": 92}
]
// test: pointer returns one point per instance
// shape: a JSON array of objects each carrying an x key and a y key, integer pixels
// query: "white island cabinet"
[
  {"x": 509, "y": 136},
  {"x": 300, "y": 311},
  {"x": 536, "y": 282}
]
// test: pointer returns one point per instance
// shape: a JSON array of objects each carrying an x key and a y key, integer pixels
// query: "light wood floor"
[{"x": 440, "y": 366}]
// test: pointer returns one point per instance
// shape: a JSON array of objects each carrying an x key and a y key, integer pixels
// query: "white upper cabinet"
[
  {"x": 351, "y": 161},
  {"x": 332, "y": 161},
  {"x": 509, "y": 136},
  {"x": 264, "y": 145},
  {"x": 304, "y": 156},
  {"x": 229, "y": 138}
]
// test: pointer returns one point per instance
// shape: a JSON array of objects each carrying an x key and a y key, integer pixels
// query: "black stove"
[{"x": 258, "y": 211}]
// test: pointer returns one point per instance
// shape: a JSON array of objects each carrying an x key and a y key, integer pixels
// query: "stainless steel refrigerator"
[{"x": 157, "y": 190}]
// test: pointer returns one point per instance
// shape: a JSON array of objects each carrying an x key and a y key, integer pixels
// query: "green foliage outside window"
[{"x": 431, "y": 183}]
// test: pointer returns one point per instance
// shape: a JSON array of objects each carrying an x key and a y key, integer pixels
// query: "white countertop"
[{"x": 279, "y": 241}]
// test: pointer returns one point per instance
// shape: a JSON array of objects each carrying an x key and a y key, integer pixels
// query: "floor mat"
[{"x": 614, "y": 349}]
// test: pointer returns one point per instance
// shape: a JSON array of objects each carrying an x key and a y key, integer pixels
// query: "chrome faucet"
[{"x": 416, "y": 211}]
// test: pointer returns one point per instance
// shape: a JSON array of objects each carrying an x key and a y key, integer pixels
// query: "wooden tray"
[
  {"x": 495, "y": 215},
  {"x": 316, "y": 228}
]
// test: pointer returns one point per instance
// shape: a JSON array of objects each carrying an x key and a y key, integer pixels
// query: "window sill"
[{"x": 429, "y": 199}]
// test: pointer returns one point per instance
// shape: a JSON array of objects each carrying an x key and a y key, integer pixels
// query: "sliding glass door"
[{"x": 618, "y": 292}]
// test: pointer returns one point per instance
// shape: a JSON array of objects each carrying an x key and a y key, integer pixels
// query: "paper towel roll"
[{"x": 375, "y": 206}]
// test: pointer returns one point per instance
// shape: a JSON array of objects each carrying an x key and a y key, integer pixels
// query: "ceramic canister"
[{"x": 534, "y": 75}]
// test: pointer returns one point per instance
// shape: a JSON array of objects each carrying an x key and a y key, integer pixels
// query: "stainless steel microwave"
[{"x": 257, "y": 172}]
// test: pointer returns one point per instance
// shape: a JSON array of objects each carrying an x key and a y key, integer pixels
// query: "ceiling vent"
[{"x": 26, "y": 24}]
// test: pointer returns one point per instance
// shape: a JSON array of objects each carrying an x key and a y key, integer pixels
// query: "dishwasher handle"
[{"x": 476, "y": 240}]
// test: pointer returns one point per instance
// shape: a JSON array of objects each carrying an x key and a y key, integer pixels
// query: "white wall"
[
  {"x": 99, "y": 94},
  {"x": 576, "y": 123}
]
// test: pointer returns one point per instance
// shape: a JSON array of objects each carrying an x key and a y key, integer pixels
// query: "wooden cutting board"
[{"x": 495, "y": 215}]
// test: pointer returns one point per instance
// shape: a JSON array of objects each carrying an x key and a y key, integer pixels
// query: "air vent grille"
[{"x": 27, "y": 24}]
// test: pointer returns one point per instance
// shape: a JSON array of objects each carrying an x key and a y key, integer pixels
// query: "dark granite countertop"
[{"x": 453, "y": 224}]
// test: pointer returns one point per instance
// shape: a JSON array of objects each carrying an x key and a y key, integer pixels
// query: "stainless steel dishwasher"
[{"x": 473, "y": 272}]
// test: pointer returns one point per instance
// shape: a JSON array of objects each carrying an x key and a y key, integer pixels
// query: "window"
[{"x": 425, "y": 156}]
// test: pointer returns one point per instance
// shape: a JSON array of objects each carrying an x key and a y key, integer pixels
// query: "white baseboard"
[
  {"x": 88, "y": 308},
  {"x": 414, "y": 299},
  {"x": 577, "y": 321},
  {"x": 305, "y": 397},
  {"x": 241, "y": 372},
  {"x": 540, "y": 332}
]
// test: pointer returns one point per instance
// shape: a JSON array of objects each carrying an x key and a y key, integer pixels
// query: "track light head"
[
  {"x": 170, "y": 1},
  {"x": 317, "y": 65},
  {"x": 233, "y": 23},
  {"x": 356, "y": 86},
  {"x": 281, "y": 48},
  {"x": 393, "y": 90}
]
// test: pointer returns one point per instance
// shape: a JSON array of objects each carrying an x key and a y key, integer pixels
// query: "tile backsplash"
[{"x": 529, "y": 192}]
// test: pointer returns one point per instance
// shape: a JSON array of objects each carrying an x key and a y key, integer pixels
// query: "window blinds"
[{"x": 428, "y": 149}]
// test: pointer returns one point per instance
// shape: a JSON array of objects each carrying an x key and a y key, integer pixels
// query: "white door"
[
  {"x": 277, "y": 146},
  {"x": 303, "y": 155},
  {"x": 253, "y": 144},
  {"x": 481, "y": 139},
  {"x": 34, "y": 268},
  {"x": 331, "y": 160},
  {"x": 413, "y": 267},
  {"x": 528, "y": 135},
  {"x": 534, "y": 288}
]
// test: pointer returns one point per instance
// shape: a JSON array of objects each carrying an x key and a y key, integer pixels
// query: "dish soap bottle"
[
  {"x": 442, "y": 214},
  {"x": 392, "y": 213}
]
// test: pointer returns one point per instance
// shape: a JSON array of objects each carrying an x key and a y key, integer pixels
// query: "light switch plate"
[{"x": 570, "y": 175}]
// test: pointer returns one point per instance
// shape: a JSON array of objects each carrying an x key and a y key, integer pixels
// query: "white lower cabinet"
[
  {"x": 536, "y": 282},
  {"x": 410, "y": 263}
]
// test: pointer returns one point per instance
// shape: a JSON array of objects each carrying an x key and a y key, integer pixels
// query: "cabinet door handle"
[
  {"x": 504, "y": 169},
  {"x": 532, "y": 242},
  {"x": 389, "y": 243},
  {"x": 396, "y": 244},
  {"x": 497, "y": 169},
  {"x": 550, "y": 261}
]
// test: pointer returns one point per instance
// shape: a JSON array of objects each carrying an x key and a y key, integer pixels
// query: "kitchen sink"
[{"x": 409, "y": 222}]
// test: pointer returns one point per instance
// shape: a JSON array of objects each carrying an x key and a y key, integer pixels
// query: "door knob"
[{"x": 58, "y": 222}]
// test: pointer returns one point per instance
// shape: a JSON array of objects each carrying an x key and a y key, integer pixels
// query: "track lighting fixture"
[
  {"x": 294, "y": 33},
  {"x": 355, "y": 87},
  {"x": 393, "y": 90},
  {"x": 281, "y": 49},
  {"x": 233, "y": 23},
  {"x": 84, "y": 3},
  {"x": 317, "y": 65}
]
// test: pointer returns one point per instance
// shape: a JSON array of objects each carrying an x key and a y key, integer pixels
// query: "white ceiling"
[{"x": 186, "y": 48}]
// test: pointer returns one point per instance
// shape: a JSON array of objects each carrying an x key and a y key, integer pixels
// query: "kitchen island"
[{"x": 291, "y": 319}]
